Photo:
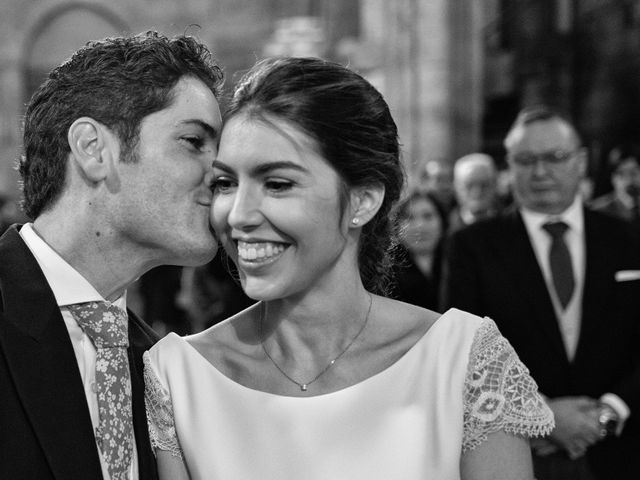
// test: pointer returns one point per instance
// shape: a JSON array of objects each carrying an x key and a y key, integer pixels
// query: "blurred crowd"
[
  {"x": 453, "y": 195},
  {"x": 559, "y": 273}
]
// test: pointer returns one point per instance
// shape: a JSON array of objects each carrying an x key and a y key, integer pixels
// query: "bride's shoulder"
[
  {"x": 231, "y": 335},
  {"x": 406, "y": 316},
  {"x": 404, "y": 320},
  {"x": 399, "y": 325}
]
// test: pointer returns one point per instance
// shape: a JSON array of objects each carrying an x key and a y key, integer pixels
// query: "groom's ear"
[{"x": 94, "y": 148}]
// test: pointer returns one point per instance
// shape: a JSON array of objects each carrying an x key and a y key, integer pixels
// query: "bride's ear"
[{"x": 365, "y": 203}]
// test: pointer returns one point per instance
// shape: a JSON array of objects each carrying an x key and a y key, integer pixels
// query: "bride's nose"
[{"x": 245, "y": 209}]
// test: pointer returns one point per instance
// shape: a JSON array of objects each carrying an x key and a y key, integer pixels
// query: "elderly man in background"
[
  {"x": 562, "y": 283},
  {"x": 475, "y": 185},
  {"x": 437, "y": 179}
]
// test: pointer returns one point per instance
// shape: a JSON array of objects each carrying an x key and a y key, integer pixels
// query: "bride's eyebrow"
[
  {"x": 264, "y": 168},
  {"x": 221, "y": 165},
  {"x": 267, "y": 167}
]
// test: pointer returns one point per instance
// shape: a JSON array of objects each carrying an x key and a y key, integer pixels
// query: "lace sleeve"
[
  {"x": 499, "y": 393},
  {"x": 162, "y": 430}
]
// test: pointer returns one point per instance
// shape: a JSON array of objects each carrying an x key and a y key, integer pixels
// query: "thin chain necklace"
[{"x": 304, "y": 386}]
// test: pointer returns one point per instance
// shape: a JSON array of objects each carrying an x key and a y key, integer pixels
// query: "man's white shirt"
[{"x": 569, "y": 318}]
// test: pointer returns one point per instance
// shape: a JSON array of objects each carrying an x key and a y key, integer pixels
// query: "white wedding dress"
[{"x": 461, "y": 381}]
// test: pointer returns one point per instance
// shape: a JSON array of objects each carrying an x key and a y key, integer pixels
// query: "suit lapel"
[
  {"x": 139, "y": 342},
  {"x": 43, "y": 365},
  {"x": 528, "y": 278}
]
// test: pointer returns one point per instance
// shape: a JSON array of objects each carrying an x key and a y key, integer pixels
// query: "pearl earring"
[{"x": 355, "y": 221}]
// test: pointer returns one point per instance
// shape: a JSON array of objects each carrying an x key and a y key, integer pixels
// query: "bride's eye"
[{"x": 278, "y": 186}]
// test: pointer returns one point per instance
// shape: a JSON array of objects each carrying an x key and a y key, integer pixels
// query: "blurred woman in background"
[{"x": 424, "y": 225}]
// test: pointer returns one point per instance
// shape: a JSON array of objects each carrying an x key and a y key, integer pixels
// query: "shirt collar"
[
  {"x": 625, "y": 199},
  {"x": 573, "y": 216},
  {"x": 468, "y": 217},
  {"x": 67, "y": 284}
]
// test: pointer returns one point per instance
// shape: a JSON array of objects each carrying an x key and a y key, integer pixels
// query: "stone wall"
[{"x": 423, "y": 54}]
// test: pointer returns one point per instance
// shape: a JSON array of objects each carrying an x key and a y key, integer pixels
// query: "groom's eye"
[{"x": 194, "y": 141}]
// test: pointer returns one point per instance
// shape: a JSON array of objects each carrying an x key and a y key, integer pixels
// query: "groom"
[{"x": 118, "y": 143}]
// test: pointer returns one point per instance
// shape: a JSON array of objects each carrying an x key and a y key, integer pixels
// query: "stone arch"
[{"x": 59, "y": 31}]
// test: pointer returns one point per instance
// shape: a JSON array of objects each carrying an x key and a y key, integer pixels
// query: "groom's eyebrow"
[{"x": 209, "y": 129}]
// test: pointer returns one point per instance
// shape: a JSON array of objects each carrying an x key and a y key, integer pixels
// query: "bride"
[{"x": 325, "y": 377}]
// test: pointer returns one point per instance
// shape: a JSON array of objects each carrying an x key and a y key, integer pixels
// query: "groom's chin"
[
  {"x": 205, "y": 256},
  {"x": 196, "y": 255}
]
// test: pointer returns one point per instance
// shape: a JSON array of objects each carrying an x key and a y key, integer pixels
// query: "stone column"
[
  {"x": 10, "y": 121},
  {"x": 467, "y": 68},
  {"x": 430, "y": 70}
]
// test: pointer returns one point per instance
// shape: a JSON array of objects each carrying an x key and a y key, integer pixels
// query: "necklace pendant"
[{"x": 303, "y": 387}]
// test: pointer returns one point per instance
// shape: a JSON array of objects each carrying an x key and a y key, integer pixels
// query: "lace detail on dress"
[
  {"x": 499, "y": 393},
  {"x": 162, "y": 430}
]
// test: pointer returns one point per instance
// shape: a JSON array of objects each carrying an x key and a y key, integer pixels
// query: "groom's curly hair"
[{"x": 117, "y": 82}]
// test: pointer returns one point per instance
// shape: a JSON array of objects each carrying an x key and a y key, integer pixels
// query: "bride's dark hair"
[{"x": 354, "y": 131}]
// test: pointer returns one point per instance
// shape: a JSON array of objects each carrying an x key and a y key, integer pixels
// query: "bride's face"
[{"x": 277, "y": 209}]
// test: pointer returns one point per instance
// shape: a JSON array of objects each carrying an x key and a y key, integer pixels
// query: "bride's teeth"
[{"x": 263, "y": 251}]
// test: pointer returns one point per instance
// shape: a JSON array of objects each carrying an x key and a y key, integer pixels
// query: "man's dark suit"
[
  {"x": 491, "y": 270},
  {"x": 45, "y": 427}
]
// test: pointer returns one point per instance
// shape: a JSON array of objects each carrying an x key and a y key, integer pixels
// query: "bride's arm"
[
  {"x": 502, "y": 410},
  {"x": 162, "y": 430},
  {"x": 170, "y": 467},
  {"x": 500, "y": 457}
]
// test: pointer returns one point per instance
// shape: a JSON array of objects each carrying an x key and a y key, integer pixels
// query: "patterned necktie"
[
  {"x": 107, "y": 327},
  {"x": 560, "y": 262}
]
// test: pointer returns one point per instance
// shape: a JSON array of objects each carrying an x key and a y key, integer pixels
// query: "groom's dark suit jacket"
[
  {"x": 491, "y": 270},
  {"x": 45, "y": 427}
]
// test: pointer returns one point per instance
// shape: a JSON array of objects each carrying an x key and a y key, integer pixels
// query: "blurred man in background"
[
  {"x": 475, "y": 185},
  {"x": 437, "y": 179},
  {"x": 563, "y": 285},
  {"x": 624, "y": 200}
]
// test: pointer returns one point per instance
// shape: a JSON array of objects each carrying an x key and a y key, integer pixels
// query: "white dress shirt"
[
  {"x": 70, "y": 287},
  {"x": 569, "y": 319}
]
